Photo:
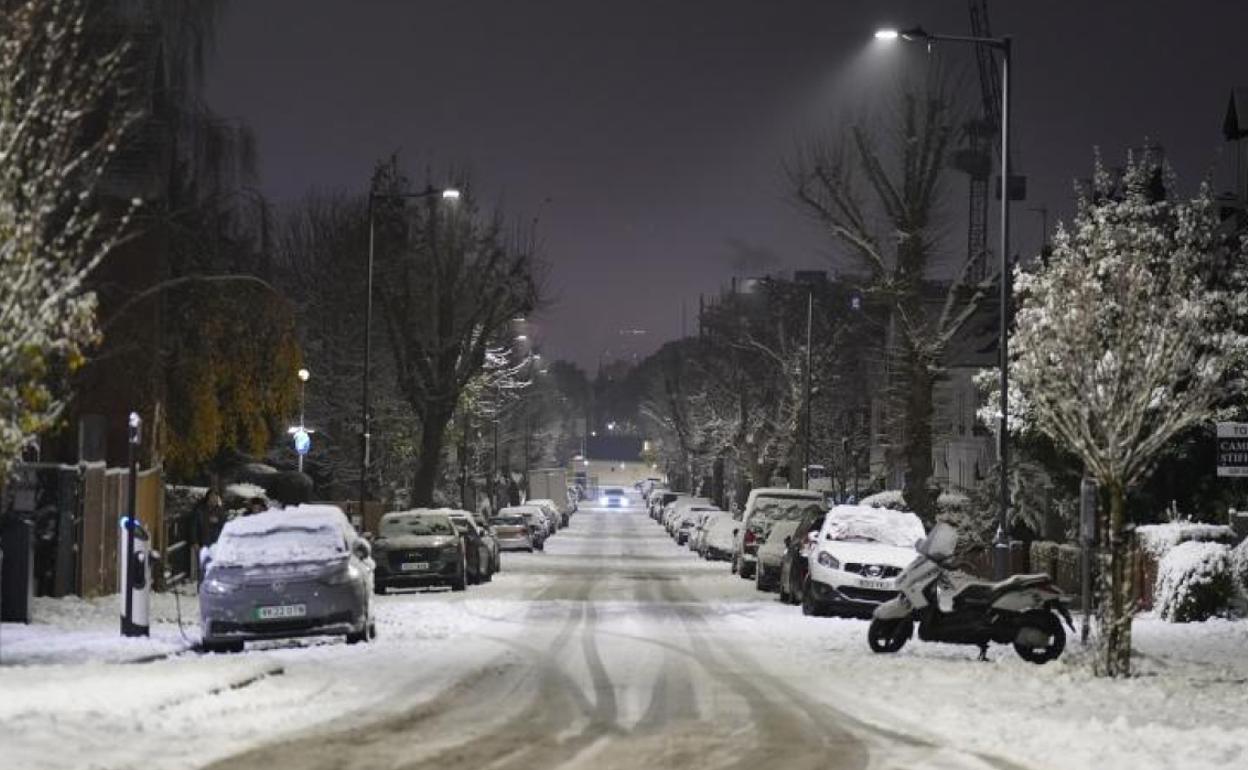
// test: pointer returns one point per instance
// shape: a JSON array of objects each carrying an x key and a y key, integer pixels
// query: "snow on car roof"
[
  {"x": 885, "y": 525},
  {"x": 786, "y": 492},
  {"x": 284, "y": 535}
]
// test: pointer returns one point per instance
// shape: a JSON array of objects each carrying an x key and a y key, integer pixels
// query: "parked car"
[
  {"x": 479, "y": 554},
  {"x": 771, "y": 553},
  {"x": 793, "y": 566},
  {"x": 658, "y": 502},
  {"x": 491, "y": 540},
  {"x": 512, "y": 530},
  {"x": 536, "y": 520},
  {"x": 554, "y": 519},
  {"x": 762, "y": 508},
  {"x": 717, "y": 543},
  {"x": 687, "y": 518},
  {"x": 675, "y": 510},
  {"x": 299, "y": 571},
  {"x": 860, "y": 552},
  {"x": 697, "y": 535},
  {"x": 419, "y": 548}
]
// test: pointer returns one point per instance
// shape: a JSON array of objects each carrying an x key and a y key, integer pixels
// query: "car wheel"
[
  {"x": 747, "y": 570},
  {"x": 759, "y": 584},
  {"x": 367, "y": 634},
  {"x": 460, "y": 583},
  {"x": 810, "y": 607}
]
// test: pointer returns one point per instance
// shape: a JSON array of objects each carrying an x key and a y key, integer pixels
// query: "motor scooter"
[{"x": 1024, "y": 610}]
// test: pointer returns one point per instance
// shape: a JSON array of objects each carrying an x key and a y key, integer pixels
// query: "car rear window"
[{"x": 509, "y": 521}]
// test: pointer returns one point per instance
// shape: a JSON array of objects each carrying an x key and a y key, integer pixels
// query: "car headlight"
[
  {"x": 828, "y": 560},
  {"x": 348, "y": 574},
  {"x": 219, "y": 587}
]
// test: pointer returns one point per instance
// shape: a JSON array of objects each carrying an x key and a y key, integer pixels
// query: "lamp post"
[
  {"x": 304, "y": 374},
  {"x": 449, "y": 194},
  {"x": 810, "y": 314},
  {"x": 1001, "y": 543}
]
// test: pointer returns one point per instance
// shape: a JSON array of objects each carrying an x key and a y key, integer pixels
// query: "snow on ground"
[
  {"x": 66, "y": 701},
  {"x": 1184, "y": 709}
]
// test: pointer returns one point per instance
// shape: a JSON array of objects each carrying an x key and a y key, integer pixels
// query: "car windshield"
[
  {"x": 509, "y": 521},
  {"x": 886, "y": 527},
  {"x": 279, "y": 545},
  {"x": 423, "y": 526}
]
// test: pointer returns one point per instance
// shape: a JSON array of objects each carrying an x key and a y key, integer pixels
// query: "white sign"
[
  {"x": 1233, "y": 449},
  {"x": 303, "y": 442}
]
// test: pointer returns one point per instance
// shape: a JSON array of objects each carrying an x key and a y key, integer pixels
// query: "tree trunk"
[
  {"x": 429, "y": 461},
  {"x": 1116, "y": 606},
  {"x": 918, "y": 492}
]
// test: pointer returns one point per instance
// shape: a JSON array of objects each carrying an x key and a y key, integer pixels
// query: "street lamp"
[
  {"x": 449, "y": 194},
  {"x": 304, "y": 374},
  {"x": 1001, "y": 544}
]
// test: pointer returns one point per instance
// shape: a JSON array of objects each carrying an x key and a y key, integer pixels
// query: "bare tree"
[
  {"x": 1131, "y": 333},
  {"x": 879, "y": 202},
  {"x": 451, "y": 280}
]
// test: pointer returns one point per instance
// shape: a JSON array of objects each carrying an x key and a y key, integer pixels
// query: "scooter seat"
[{"x": 987, "y": 593}]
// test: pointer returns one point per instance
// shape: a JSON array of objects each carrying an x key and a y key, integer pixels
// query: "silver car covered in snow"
[{"x": 299, "y": 571}]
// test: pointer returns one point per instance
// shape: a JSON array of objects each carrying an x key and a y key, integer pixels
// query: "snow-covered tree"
[
  {"x": 61, "y": 119},
  {"x": 1130, "y": 334}
]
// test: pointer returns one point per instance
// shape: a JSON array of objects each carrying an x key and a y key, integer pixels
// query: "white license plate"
[
  {"x": 414, "y": 566},
  {"x": 281, "y": 611},
  {"x": 882, "y": 585}
]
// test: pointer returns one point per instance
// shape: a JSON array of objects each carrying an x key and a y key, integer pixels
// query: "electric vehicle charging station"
[{"x": 134, "y": 551}]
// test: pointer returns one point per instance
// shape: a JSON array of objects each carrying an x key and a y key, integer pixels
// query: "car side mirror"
[{"x": 362, "y": 549}]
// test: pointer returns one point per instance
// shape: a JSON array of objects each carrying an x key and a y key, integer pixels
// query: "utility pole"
[{"x": 810, "y": 313}]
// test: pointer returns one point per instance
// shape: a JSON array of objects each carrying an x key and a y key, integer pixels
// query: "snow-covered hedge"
[
  {"x": 1158, "y": 539},
  {"x": 1194, "y": 582}
]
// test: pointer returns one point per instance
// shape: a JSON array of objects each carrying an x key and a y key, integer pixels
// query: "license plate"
[
  {"x": 281, "y": 611},
  {"x": 414, "y": 566},
  {"x": 882, "y": 585}
]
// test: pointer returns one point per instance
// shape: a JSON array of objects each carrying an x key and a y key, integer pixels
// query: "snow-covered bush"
[
  {"x": 1158, "y": 539},
  {"x": 1239, "y": 567},
  {"x": 1194, "y": 582},
  {"x": 889, "y": 498}
]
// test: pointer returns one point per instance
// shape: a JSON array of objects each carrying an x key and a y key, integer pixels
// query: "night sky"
[{"x": 657, "y": 130}]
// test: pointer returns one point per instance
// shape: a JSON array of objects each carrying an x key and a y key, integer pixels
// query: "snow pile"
[
  {"x": 889, "y": 498},
  {"x": 1194, "y": 582},
  {"x": 1157, "y": 539}
]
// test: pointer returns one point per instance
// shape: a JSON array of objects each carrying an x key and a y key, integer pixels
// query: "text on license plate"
[
  {"x": 882, "y": 585},
  {"x": 414, "y": 566},
  {"x": 281, "y": 611}
]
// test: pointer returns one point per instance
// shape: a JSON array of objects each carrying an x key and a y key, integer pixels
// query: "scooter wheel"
[
  {"x": 1037, "y": 625},
  {"x": 889, "y": 635}
]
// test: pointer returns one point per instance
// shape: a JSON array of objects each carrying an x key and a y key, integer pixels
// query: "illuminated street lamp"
[{"x": 1001, "y": 544}]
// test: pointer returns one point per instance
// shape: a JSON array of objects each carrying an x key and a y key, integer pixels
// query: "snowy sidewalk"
[
  {"x": 1184, "y": 708},
  {"x": 73, "y": 630}
]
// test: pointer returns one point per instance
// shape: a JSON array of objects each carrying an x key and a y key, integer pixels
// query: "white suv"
[
  {"x": 762, "y": 508},
  {"x": 854, "y": 564}
]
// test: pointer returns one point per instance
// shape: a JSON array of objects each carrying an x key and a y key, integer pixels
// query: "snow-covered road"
[{"x": 617, "y": 649}]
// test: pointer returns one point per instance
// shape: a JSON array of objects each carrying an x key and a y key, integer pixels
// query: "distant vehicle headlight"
[
  {"x": 828, "y": 560},
  {"x": 219, "y": 587}
]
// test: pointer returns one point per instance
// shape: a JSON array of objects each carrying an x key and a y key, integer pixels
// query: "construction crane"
[{"x": 975, "y": 158}]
